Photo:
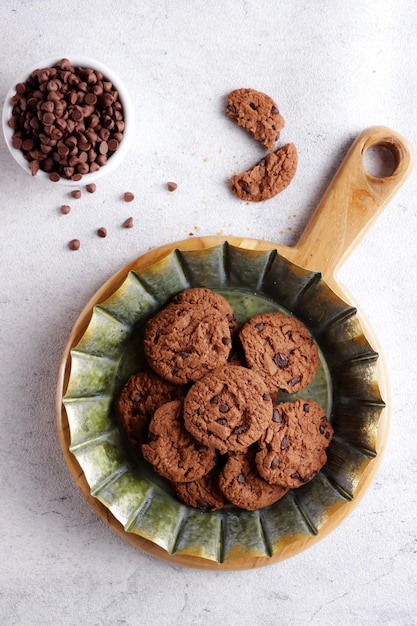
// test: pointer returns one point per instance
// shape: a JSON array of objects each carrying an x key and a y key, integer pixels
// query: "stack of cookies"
[{"x": 205, "y": 416}]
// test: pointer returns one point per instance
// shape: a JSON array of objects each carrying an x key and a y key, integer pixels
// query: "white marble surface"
[{"x": 334, "y": 68}]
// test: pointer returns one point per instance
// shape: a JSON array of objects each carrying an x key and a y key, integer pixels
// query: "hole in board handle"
[{"x": 381, "y": 160}]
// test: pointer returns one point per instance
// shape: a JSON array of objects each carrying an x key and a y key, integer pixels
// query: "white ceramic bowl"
[{"x": 113, "y": 161}]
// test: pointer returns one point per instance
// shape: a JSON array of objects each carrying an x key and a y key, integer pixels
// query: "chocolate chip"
[
  {"x": 276, "y": 416},
  {"x": 231, "y": 108},
  {"x": 224, "y": 408},
  {"x": 245, "y": 187},
  {"x": 153, "y": 437},
  {"x": 294, "y": 381},
  {"x": 76, "y": 193},
  {"x": 230, "y": 317},
  {"x": 296, "y": 475},
  {"x": 102, "y": 232},
  {"x": 128, "y": 196},
  {"x": 259, "y": 327},
  {"x": 226, "y": 341},
  {"x": 172, "y": 186},
  {"x": 215, "y": 400},
  {"x": 199, "y": 446},
  {"x": 285, "y": 443},
  {"x": 241, "y": 478},
  {"x": 274, "y": 463},
  {"x": 137, "y": 397},
  {"x": 74, "y": 244},
  {"x": 274, "y": 110},
  {"x": 266, "y": 397},
  {"x": 253, "y": 106},
  {"x": 128, "y": 223},
  {"x": 239, "y": 430},
  {"x": 91, "y": 187},
  {"x": 280, "y": 360},
  {"x": 183, "y": 354},
  {"x": 202, "y": 504},
  {"x": 327, "y": 435},
  {"x": 222, "y": 421},
  {"x": 65, "y": 209},
  {"x": 306, "y": 407}
]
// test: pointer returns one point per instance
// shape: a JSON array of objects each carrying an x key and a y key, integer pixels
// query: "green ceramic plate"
[{"x": 110, "y": 350}]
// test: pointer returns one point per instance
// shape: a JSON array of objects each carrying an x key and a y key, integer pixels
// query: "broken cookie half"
[
  {"x": 257, "y": 113},
  {"x": 267, "y": 178}
]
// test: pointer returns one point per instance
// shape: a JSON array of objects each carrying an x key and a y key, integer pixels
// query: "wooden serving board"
[{"x": 352, "y": 202}]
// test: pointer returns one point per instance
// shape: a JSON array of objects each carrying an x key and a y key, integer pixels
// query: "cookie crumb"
[
  {"x": 102, "y": 232},
  {"x": 76, "y": 194},
  {"x": 172, "y": 186},
  {"x": 128, "y": 196},
  {"x": 91, "y": 187},
  {"x": 65, "y": 209},
  {"x": 74, "y": 244},
  {"x": 128, "y": 223}
]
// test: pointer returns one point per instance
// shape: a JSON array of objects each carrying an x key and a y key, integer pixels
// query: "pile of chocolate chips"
[{"x": 67, "y": 120}]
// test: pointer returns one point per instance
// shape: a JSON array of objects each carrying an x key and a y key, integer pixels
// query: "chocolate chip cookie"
[
  {"x": 172, "y": 451},
  {"x": 228, "y": 409},
  {"x": 184, "y": 341},
  {"x": 267, "y": 178},
  {"x": 293, "y": 448},
  {"x": 209, "y": 299},
  {"x": 241, "y": 483},
  {"x": 257, "y": 113},
  {"x": 281, "y": 350},
  {"x": 142, "y": 394},
  {"x": 204, "y": 493}
]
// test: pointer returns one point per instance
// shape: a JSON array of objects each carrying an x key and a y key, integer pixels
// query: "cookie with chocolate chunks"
[
  {"x": 267, "y": 178},
  {"x": 228, "y": 409},
  {"x": 184, "y": 341},
  {"x": 293, "y": 448},
  {"x": 281, "y": 350},
  {"x": 242, "y": 484},
  {"x": 209, "y": 299},
  {"x": 257, "y": 113},
  {"x": 172, "y": 451},
  {"x": 141, "y": 395}
]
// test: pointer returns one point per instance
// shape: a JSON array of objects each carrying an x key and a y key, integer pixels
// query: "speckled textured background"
[{"x": 334, "y": 68}]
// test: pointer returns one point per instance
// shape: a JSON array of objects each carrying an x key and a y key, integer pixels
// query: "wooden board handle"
[{"x": 352, "y": 202}]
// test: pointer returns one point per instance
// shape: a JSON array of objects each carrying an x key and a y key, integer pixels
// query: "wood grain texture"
[{"x": 352, "y": 202}]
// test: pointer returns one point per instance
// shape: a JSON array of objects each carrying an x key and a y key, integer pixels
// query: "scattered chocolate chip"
[
  {"x": 76, "y": 193},
  {"x": 91, "y": 187},
  {"x": 253, "y": 106},
  {"x": 54, "y": 177},
  {"x": 222, "y": 421},
  {"x": 215, "y": 400},
  {"x": 306, "y": 407},
  {"x": 128, "y": 223},
  {"x": 172, "y": 186},
  {"x": 295, "y": 475},
  {"x": 65, "y": 209},
  {"x": 294, "y": 381},
  {"x": 224, "y": 408},
  {"x": 128, "y": 196},
  {"x": 327, "y": 435},
  {"x": 280, "y": 360},
  {"x": 259, "y": 327},
  {"x": 102, "y": 232},
  {"x": 74, "y": 244}
]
